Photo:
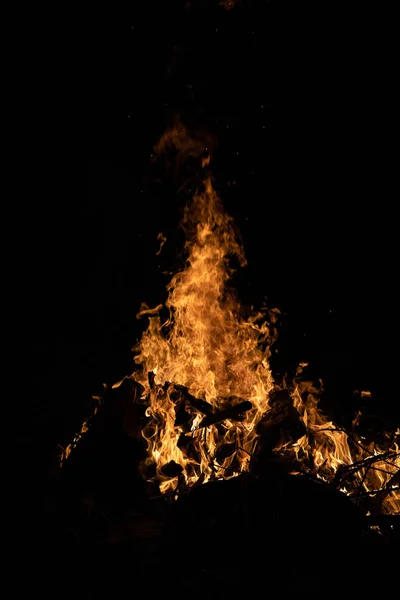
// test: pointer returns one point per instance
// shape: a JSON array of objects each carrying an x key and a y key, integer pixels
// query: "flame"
[
  {"x": 66, "y": 452},
  {"x": 326, "y": 447},
  {"x": 206, "y": 346},
  {"x": 162, "y": 239},
  {"x": 323, "y": 443}
]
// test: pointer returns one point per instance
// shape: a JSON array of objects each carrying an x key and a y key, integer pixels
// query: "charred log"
[
  {"x": 181, "y": 394},
  {"x": 235, "y": 413}
]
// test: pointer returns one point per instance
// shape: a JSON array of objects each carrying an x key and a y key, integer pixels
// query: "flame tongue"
[{"x": 207, "y": 347}]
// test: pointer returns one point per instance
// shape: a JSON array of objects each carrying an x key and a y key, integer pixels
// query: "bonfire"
[{"x": 211, "y": 407}]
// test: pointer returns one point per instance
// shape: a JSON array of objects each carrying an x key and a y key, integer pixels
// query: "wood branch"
[
  {"x": 347, "y": 470},
  {"x": 187, "y": 404},
  {"x": 366, "y": 450},
  {"x": 232, "y": 412},
  {"x": 385, "y": 491}
]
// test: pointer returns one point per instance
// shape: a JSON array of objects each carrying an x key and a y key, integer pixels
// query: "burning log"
[
  {"x": 181, "y": 394},
  {"x": 186, "y": 405},
  {"x": 235, "y": 413}
]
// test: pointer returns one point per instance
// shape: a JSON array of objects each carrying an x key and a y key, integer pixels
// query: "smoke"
[{"x": 182, "y": 150}]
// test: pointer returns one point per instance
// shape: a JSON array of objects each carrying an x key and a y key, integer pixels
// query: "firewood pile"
[{"x": 278, "y": 524}]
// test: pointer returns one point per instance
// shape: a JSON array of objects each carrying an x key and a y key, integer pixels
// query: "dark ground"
[{"x": 299, "y": 100}]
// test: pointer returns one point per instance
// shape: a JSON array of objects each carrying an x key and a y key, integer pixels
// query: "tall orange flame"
[{"x": 205, "y": 345}]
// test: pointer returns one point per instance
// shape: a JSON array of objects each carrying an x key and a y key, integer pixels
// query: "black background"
[{"x": 299, "y": 100}]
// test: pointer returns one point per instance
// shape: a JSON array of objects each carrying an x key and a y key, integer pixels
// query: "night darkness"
[
  {"x": 296, "y": 101},
  {"x": 297, "y": 104}
]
